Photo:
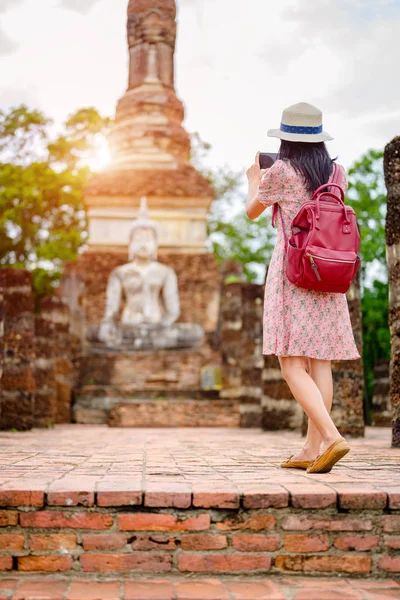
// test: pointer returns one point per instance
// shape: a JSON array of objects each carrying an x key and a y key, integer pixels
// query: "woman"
[{"x": 304, "y": 328}]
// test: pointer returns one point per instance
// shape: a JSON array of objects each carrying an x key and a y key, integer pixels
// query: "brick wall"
[
  {"x": 17, "y": 399},
  {"x": 81, "y": 532},
  {"x": 36, "y": 354}
]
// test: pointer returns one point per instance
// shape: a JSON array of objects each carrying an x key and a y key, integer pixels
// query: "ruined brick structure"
[
  {"x": 391, "y": 164},
  {"x": 36, "y": 355},
  {"x": 382, "y": 408},
  {"x": 17, "y": 395}
]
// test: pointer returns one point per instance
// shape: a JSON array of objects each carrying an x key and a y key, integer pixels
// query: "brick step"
[
  {"x": 95, "y": 501},
  {"x": 249, "y": 588},
  {"x": 126, "y": 407},
  {"x": 116, "y": 528}
]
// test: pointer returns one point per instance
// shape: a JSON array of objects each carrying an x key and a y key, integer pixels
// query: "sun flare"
[{"x": 100, "y": 157}]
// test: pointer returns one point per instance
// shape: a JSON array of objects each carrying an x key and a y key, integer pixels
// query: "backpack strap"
[{"x": 336, "y": 179}]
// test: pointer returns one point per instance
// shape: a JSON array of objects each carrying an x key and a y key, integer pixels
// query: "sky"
[{"x": 238, "y": 65}]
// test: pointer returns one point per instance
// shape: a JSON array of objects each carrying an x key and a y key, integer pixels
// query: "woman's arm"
[{"x": 254, "y": 208}]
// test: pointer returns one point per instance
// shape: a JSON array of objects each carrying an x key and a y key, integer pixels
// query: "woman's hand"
[{"x": 254, "y": 173}]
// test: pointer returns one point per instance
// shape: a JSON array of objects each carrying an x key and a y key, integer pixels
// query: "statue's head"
[{"x": 143, "y": 240}]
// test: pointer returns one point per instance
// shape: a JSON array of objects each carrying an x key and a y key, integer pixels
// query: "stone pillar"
[
  {"x": 279, "y": 408},
  {"x": 241, "y": 342},
  {"x": 391, "y": 165},
  {"x": 56, "y": 314},
  {"x": 382, "y": 408},
  {"x": 46, "y": 393},
  {"x": 17, "y": 399},
  {"x": 231, "y": 337},
  {"x": 348, "y": 375},
  {"x": 252, "y": 356}
]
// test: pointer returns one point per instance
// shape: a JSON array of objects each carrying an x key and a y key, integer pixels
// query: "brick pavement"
[
  {"x": 288, "y": 588},
  {"x": 90, "y": 499},
  {"x": 190, "y": 461}
]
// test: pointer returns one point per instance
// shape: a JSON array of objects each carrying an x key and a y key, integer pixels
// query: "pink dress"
[{"x": 299, "y": 322}]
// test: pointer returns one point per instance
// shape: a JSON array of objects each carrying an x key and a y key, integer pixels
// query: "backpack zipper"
[{"x": 315, "y": 268}]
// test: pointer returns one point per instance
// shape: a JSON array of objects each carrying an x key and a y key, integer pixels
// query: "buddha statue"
[{"x": 151, "y": 294}]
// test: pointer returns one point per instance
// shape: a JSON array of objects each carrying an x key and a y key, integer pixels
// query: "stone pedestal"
[{"x": 150, "y": 389}]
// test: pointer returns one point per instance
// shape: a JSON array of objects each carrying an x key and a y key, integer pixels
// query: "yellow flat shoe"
[
  {"x": 296, "y": 464},
  {"x": 325, "y": 461}
]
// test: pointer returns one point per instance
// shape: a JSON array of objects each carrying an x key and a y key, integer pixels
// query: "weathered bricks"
[
  {"x": 21, "y": 497},
  {"x": 6, "y": 563},
  {"x": 17, "y": 399},
  {"x": 392, "y": 541},
  {"x": 306, "y": 543},
  {"x": 161, "y": 522},
  {"x": 73, "y": 520},
  {"x": 52, "y": 541},
  {"x": 256, "y": 522},
  {"x": 217, "y": 563},
  {"x": 144, "y": 561},
  {"x": 12, "y": 541},
  {"x": 219, "y": 500},
  {"x": 48, "y": 564},
  {"x": 390, "y": 563},
  {"x": 128, "y": 494},
  {"x": 361, "y": 498},
  {"x": 334, "y": 523},
  {"x": 391, "y": 523},
  {"x": 274, "y": 496},
  {"x": 103, "y": 541},
  {"x": 356, "y": 542},
  {"x": 203, "y": 541},
  {"x": 8, "y": 518},
  {"x": 255, "y": 542},
  {"x": 92, "y": 539},
  {"x": 70, "y": 498},
  {"x": 328, "y": 564}
]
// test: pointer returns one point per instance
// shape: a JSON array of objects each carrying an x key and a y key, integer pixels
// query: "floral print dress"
[{"x": 299, "y": 322}]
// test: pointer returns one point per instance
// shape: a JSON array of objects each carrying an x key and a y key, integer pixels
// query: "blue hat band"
[{"x": 299, "y": 129}]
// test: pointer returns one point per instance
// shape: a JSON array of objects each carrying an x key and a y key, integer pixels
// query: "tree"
[
  {"x": 367, "y": 196},
  {"x": 231, "y": 233},
  {"x": 43, "y": 221}
]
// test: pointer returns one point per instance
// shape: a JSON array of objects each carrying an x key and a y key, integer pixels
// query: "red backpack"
[{"x": 322, "y": 252}]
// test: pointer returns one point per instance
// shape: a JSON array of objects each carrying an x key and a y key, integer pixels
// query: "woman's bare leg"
[
  {"x": 321, "y": 373},
  {"x": 308, "y": 395}
]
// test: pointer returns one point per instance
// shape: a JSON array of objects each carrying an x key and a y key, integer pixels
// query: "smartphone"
[{"x": 267, "y": 159}]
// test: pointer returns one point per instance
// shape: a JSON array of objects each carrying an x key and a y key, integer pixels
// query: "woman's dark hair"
[{"x": 309, "y": 159}]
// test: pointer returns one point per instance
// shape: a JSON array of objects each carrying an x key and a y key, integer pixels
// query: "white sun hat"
[{"x": 301, "y": 122}]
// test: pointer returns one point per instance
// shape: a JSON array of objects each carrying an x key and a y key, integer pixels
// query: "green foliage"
[
  {"x": 42, "y": 220},
  {"x": 232, "y": 234},
  {"x": 376, "y": 333},
  {"x": 367, "y": 196}
]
